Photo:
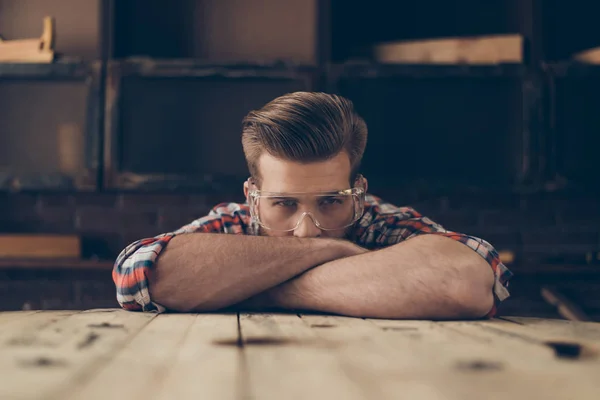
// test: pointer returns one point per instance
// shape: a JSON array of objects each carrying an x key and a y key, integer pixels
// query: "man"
[{"x": 310, "y": 238}]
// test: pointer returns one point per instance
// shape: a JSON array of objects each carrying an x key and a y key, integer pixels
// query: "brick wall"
[
  {"x": 539, "y": 228},
  {"x": 53, "y": 290},
  {"x": 106, "y": 222}
]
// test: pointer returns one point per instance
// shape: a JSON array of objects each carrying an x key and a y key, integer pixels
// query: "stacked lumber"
[
  {"x": 38, "y": 50},
  {"x": 590, "y": 56},
  {"x": 493, "y": 49},
  {"x": 32, "y": 246}
]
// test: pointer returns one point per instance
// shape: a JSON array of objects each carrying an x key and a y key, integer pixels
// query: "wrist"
[
  {"x": 349, "y": 249},
  {"x": 289, "y": 295},
  {"x": 327, "y": 249}
]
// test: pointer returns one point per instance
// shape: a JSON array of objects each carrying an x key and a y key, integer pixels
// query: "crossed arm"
[{"x": 428, "y": 276}]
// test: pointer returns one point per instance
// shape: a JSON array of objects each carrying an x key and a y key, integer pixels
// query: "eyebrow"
[
  {"x": 326, "y": 196},
  {"x": 283, "y": 198}
]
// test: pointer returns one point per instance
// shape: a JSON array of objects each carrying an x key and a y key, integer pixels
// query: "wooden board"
[
  {"x": 39, "y": 50},
  {"x": 8, "y": 317},
  {"x": 40, "y": 246},
  {"x": 117, "y": 354},
  {"x": 24, "y": 51},
  {"x": 424, "y": 359},
  {"x": 23, "y": 323},
  {"x": 545, "y": 329},
  {"x": 565, "y": 306},
  {"x": 207, "y": 366},
  {"x": 180, "y": 349},
  {"x": 506, "y": 256},
  {"x": 591, "y": 56},
  {"x": 469, "y": 50},
  {"x": 50, "y": 359},
  {"x": 284, "y": 358}
]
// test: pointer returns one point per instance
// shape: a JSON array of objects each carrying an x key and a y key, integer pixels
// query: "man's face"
[{"x": 283, "y": 176}]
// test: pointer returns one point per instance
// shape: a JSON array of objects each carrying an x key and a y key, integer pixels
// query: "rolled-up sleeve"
[
  {"x": 135, "y": 263},
  {"x": 131, "y": 270},
  {"x": 419, "y": 225},
  {"x": 502, "y": 274},
  {"x": 405, "y": 223}
]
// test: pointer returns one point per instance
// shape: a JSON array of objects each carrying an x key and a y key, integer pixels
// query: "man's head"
[{"x": 304, "y": 142}]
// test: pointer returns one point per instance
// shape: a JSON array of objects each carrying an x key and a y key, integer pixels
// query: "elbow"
[
  {"x": 168, "y": 291},
  {"x": 164, "y": 290},
  {"x": 475, "y": 305},
  {"x": 474, "y": 293},
  {"x": 161, "y": 292}
]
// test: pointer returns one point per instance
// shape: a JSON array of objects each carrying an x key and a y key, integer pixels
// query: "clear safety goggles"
[{"x": 329, "y": 211}]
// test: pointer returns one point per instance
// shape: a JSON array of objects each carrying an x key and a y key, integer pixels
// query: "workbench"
[{"x": 116, "y": 354}]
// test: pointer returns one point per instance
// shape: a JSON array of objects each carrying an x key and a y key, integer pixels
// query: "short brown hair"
[{"x": 304, "y": 127}]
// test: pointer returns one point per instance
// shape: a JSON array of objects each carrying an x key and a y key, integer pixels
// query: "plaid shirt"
[{"x": 381, "y": 225}]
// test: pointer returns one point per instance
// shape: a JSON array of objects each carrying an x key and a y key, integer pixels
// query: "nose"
[{"x": 307, "y": 228}]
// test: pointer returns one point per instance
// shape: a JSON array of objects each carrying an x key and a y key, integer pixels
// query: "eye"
[
  {"x": 285, "y": 203},
  {"x": 330, "y": 201}
]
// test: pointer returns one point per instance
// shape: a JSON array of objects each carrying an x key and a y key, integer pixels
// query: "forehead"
[{"x": 287, "y": 176}]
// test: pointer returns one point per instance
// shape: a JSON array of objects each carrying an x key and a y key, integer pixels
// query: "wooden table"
[{"x": 114, "y": 354}]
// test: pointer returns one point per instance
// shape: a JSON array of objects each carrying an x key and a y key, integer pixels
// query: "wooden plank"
[
  {"x": 590, "y": 56},
  {"x": 6, "y": 317},
  {"x": 427, "y": 360},
  {"x": 565, "y": 307},
  {"x": 283, "y": 358},
  {"x": 30, "y": 50},
  {"x": 208, "y": 364},
  {"x": 154, "y": 348},
  {"x": 23, "y": 323},
  {"x": 506, "y": 256},
  {"x": 531, "y": 357},
  {"x": 549, "y": 329},
  {"x": 48, "y": 359},
  {"x": 26, "y": 50},
  {"x": 527, "y": 346},
  {"x": 492, "y": 49},
  {"x": 369, "y": 361},
  {"x": 40, "y": 246}
]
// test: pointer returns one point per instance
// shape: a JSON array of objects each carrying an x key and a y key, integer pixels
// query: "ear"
[
  {"x": 246, "y": 190},
  {"x": 364, "y": 182}
]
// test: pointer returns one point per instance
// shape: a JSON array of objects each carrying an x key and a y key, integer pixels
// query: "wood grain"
[
  {"x": 40, "y": 246},
  {"x": 590, "y": 56},
  {"x": 154, "y": 349},
  {"x": 207, "y": 365},
  {"x": 56, "y": 352},
  {"x": 30, "y": 50},
  {"x": 469, "y": 50},
  {"x": 117, "y": 354},
  {"x": 284, "y": 358},
  {"x": 565, "y": 307},
  {"x": 427, "y": 360}
]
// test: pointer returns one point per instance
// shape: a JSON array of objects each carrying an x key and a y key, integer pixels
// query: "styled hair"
[{"x": 304, "y": 127}]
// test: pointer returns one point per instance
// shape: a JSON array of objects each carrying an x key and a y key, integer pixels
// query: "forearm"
[
  {"x": 209, "y": 271},
  {"x": 426, "y": 277}
]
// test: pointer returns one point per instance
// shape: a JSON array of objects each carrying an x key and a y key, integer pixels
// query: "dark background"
[{"x": 135, "y": 130}]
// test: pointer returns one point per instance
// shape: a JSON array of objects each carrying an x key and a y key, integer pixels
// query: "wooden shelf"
[
  {"x": 78, "y": 264},
  {"x": 186, "y": 68},
  {"x": 378, "y": 70},
  {"x": 60, "y": 70}
]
